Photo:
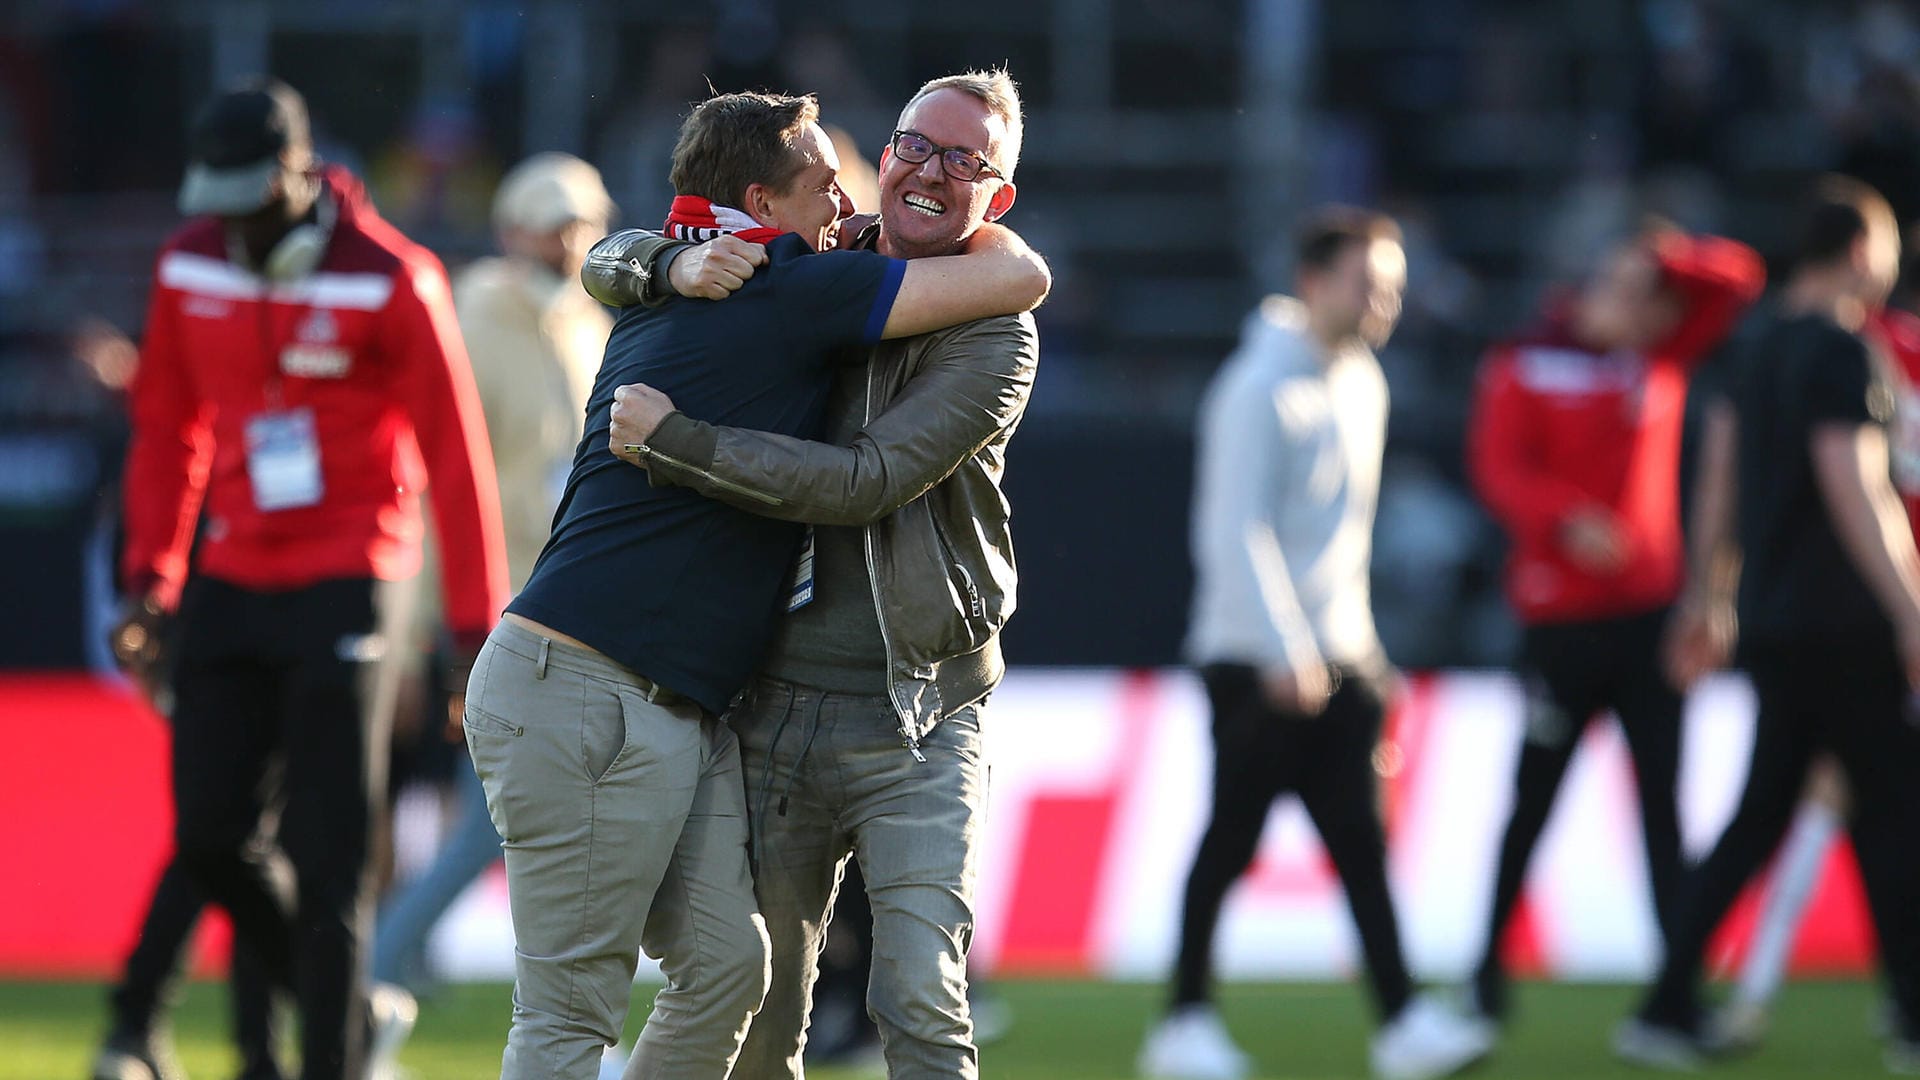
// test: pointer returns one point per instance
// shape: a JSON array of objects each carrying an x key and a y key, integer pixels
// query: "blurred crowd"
[
  {"x": 1519, "y": 164},
  {"x": 1508, "y": 139}
]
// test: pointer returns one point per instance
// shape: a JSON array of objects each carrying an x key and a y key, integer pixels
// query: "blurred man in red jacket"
[
  {"x": 1574, "y": 447},
  {"x": 301, "y": 378}
]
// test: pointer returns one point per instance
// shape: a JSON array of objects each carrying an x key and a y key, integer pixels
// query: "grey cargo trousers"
[{"x": 828, "y": 777}]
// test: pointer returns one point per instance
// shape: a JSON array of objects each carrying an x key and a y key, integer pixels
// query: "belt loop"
[{"x": 540, "y": 662}]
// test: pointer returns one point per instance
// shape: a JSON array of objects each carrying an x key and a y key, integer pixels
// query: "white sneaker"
[
  {"x": 394, "y": 1012},
  {"x": 1738, "y": 1027},
  {"x": 1654, "y": 1046},
  {"x": 1428, "y": 1040},
  {"x": 1192, "y": 1044},
  {"x": 1887, "y": 1022},
  {"x": 613, "y": 1062}
]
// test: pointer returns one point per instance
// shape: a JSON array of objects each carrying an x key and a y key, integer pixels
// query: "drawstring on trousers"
[
  {"x": 806, "y": 746},
  {"x": 766, "y": 771}
]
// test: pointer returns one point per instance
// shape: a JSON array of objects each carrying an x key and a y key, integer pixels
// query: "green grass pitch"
[{"x": 1061, "y": 1031}]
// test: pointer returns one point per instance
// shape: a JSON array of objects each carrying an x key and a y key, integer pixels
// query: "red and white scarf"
[{"x": 698, "y": 220}]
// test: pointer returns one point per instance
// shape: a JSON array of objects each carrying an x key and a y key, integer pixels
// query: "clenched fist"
[
  {"x": 712, "y": 270},
  {"x": 637, "y": 411}
]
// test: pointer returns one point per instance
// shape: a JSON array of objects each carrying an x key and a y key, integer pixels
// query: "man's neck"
[
  {"x": 1825, "y": 294},
  {"x": 887, "y": 245},
  {"x": 260, "y": 243},
  {"x": 1331, "y": 339}
]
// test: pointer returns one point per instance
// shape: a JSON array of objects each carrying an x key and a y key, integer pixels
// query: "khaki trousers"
[{"x": 624, "y": 825}]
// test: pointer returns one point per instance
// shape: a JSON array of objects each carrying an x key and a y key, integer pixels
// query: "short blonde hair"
[{"x": 995, "y": 88}]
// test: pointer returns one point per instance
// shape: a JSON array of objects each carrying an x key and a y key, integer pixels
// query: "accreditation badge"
[
  {"x": 283, "y": 460},
  {"x": 800, "y": 585}
]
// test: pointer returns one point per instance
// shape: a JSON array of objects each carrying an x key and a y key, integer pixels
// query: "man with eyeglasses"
[
  {"x": 862, "y": 735},
  {"x": 593, "y": 713}
]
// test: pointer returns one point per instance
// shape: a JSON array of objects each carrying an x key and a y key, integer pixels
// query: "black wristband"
[{"x": 657, "y": 287}]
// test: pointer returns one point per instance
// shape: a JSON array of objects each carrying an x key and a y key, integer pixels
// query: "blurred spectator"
[
  {"x": 1797, "y": 516},
  {"x": 1699, "y": 74},
  {"x": 302, "y": 374},
  {"x": 1860, "y": 80},
  {"x": 1823, "y": 810},
  {"x": 738, "y": 53},
  {"x": 22, "y": 247},
  {"x": 110, "y": 359},
  {"x": 858, "y": 177},
  {"x": 1575, "y": 448},
  {"x": 535, "y": 338},
  {"x": 151, "y": 981},
  {"x": 1880, "y": 137},
  {"x": 636, "y": 147},
  {"x": 440, "y": 172},
  {"x": 826, "y": 63},
  {"x": 1290, "y": 439}
]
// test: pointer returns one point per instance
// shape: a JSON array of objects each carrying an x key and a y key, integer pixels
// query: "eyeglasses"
[{"x": 961, "y": 164}]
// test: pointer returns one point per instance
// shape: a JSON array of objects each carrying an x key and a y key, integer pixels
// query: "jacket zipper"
[
  {"x": 974, "y": 604},
  {"x": 720, "y": 482},
  {"x": 907, "y": 734}
]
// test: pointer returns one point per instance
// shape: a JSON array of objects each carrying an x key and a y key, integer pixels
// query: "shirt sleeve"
[
  {"x": 436, "y": 386},
  {"x": 168, "y": 460},
  {"x": 612, "y": 272},
  {"x": 972, "y": 388},
  {"x": 841, "y": 297},
  {"x": 1838, "y": 384},
  {"x": 1717, "y": 280}
]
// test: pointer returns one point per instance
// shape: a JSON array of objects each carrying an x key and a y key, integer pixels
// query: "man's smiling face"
[
  {"x": 924, "y": 211},
  {"x": 812, "y": 203}
]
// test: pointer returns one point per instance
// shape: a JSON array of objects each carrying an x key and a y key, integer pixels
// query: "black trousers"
[
  {"x": 152, "y": 977},
  {"x": 1571, "y": 672},
  {"x": 1260, "y": 754},
  {"x": 1815, "y": 696},
  {"x": 282, "y": 717}
]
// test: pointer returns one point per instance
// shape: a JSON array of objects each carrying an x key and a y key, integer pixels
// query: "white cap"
[{"x": 547, "y": 191}]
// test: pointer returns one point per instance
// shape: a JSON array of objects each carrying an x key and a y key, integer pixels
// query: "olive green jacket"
[{"x": 921, "y": 477}]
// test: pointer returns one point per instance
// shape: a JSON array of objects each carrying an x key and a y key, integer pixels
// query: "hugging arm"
[{"x": 974, "y": 388}]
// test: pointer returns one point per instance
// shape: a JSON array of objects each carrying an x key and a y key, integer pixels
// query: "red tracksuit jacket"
[
  {"x": 368, "y": 343},
  {"x": 1899, "y": 333},
  {"x": 1557, "y": 427}
]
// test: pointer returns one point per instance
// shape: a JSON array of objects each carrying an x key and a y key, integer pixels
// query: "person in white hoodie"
[{"x": 1288, "y": 468}]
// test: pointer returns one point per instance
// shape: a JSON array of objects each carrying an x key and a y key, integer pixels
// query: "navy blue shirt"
[{"x": 680, "y": 588}]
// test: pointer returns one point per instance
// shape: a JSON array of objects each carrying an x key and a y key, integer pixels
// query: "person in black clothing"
[
  {"x": 150, "y": 986},
  {"x": 1828, "y": 603},
  {"x": 139, "y": 1037}
]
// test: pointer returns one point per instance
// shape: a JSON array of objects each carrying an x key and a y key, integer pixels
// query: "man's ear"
[
  {"x": 759, "y": 206},
  {"x": 1001, "y": 202},
  {"x": 1860, "y": 255},
  {"x": 886, "y": 155}
]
